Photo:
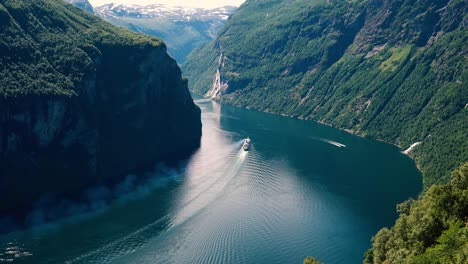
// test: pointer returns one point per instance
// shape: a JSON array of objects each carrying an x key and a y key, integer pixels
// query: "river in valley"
[{"x": 303, "y": 189}]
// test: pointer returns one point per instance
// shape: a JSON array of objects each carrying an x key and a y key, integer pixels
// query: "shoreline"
[
  {"x": 406, "y": 152},
  {"x": 350, "y": 131}
]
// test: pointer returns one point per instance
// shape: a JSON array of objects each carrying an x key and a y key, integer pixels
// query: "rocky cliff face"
[
  {"x": 88, "y": 103},
  {"x": 393, "y": 70}
]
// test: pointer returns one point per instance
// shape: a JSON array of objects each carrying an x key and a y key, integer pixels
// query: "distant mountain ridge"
[
  {"x": 83, "y": 4},
  {"x": 182, "y": 28}
]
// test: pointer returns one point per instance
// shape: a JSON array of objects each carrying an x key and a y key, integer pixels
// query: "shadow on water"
[
  {"x": 50, "y": 210},
  {"x": 75, "y": 220},
  {"x": 127, "y": 214}
]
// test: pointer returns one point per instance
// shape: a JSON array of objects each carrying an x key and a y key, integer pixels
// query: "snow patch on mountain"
[{"x": 164, "y": 11}]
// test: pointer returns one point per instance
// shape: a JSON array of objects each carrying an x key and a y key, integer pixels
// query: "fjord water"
[{"x": 303, "y": 189}]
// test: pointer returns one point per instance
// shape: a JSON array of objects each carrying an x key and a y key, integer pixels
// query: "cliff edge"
[{"x": 83, "y": 102}]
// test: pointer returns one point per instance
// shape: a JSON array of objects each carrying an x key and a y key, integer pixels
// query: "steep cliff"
[
  {"x": 393, "y": 70},
  {"x": 83, "y": 102}
]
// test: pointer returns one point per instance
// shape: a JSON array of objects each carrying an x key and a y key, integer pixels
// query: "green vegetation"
[
  {"x": 432, "y": 229},
  {"x": 398, "y": 56},
  {"x": 389, "y": 70},
  {"x": 83, "y": 102},
  {"x": 311, "y": 260},
  {"x": 48, "y": 47}
]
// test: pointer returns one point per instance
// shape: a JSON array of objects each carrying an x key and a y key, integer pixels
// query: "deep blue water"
[{"x": 303, "y": 189}]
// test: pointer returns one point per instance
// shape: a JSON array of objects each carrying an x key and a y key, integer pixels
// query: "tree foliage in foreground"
[
  {"x": 432, "y": 229},
  {"x": 311, "y": 260}
]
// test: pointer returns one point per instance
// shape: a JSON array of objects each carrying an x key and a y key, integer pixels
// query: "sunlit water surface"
[{"x": 303, "y": 189}]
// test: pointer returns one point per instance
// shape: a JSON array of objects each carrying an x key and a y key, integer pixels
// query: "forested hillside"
[{"x": 393, "y": 70}]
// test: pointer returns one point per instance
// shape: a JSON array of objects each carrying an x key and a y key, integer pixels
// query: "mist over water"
[{"x": 303, "y": 189}]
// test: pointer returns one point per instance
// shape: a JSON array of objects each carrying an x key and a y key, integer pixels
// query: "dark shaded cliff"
[{"x": 83, "y": 102}]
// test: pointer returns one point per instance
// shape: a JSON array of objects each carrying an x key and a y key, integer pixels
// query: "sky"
[{"x": 188, "y": 3}]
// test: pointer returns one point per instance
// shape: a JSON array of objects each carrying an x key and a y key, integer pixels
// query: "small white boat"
[{"x": 246, "y": 145}]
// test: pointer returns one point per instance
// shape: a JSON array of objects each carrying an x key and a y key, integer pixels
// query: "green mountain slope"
[
  {"x": 181, "y": 37},
  {"x": 393, "y": 70},
  {"x": 83, "y": 102}
]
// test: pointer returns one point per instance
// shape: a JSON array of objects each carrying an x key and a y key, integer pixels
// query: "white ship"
[{"x": 246, "y": 145}]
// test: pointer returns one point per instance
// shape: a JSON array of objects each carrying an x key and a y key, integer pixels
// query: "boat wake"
[
  {"x": 191, "y": 206},
  {"x": 331, "y": 142}
]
